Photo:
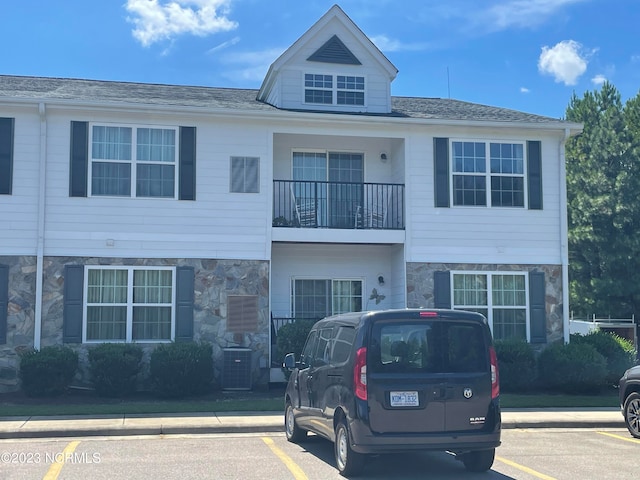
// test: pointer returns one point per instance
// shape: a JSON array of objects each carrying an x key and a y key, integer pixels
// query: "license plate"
[{"x": 404, "y": 399}]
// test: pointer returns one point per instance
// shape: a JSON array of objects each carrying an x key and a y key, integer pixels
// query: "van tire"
[
  {"x": 349, "y": 463},
  {"x": 479, "y": 460},
  {"x": 292, "y": 431}
]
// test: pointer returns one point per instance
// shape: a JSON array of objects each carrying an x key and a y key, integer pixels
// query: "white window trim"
[
  {"x": 334, "y": 89},
  {"x": 490, "y": 305},
  {"x": 487, "y": 174},
  {"x": 129, "y": 328},
  {"x": 134, "y": 161}
]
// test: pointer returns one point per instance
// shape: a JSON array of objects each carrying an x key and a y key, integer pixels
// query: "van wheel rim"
[
  {"x": 341, "y": 445},
  {"x": 290, "y": 421},
  {"x": 633, "y": 416}
]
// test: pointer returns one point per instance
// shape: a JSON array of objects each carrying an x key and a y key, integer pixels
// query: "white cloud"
[
  {"x": 566, "y": 61},
  {"x": 223, "y": 45},
  {"x": 524, "y": 90},
  {"x": 598, "y": 79},
  {"x": 522, "y": 13},
  {"x": 387, "y": 44},
  {"x": 253, "y": 66},
  {"x": 156, "y": 20}
]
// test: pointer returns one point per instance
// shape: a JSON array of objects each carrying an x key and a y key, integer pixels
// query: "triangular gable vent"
[{"x": 334, "y": 51}]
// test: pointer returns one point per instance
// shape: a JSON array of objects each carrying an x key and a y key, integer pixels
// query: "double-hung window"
[
  {"x": 133, "y": 161},
  {"x": 129, "y": 304},
  {"x": 501, "y": 297},
  {"x": 488, "y": 174},
  {"x": 334, "y": 90}
]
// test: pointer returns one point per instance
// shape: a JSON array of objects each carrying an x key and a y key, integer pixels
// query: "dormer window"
[{"x": 349, "y": 90}]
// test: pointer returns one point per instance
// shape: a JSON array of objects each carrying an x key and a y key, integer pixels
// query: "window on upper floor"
[
  {"x": 333, "y": 90},
  {"x": 245, "y": 174},
  {"x": 6, "y": 155},
  {"x": 133, "y": 161},
  {"x": 129, "y": 304},
  {"x": 488, "y": 174}
]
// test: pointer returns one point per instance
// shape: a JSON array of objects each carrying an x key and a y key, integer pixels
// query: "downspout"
[
  {"x": 37, "y": 330},
  {"x": 564, "y": 236}
]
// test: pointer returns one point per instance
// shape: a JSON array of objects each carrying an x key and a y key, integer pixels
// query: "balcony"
[{"x": 341, "y": 205}]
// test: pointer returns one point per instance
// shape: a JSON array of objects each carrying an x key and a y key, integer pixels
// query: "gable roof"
[
  {"x": 335, "y": 13},
  {"x": 97, "y": 93}
]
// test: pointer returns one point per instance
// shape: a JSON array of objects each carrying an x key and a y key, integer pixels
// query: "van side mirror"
[{"x": 289, "y": 361}]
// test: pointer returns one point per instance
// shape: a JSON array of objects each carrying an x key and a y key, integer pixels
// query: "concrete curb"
[{"x": 255, "y": 422}]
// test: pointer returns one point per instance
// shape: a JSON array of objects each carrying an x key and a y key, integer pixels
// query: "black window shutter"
[
  {"x": 79, "y": 169},
  {"x": 537, "y": 310},
  {"x": 72, "y": 313},
  {"x": 441, "y": 171},
  {"x": 6, "y": 155},
  {"x": 534, "y": 173},
  {"x": 4, "y": 302},
  {"x": 442, "y": 289},
  {"x": 187, "y": 160},
  {"x": 185, "y": 285}
]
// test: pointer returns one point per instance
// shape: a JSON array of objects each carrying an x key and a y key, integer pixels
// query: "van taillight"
[
  {"x": 495, "y": 376},
  {"x": 360, "y": 374}
]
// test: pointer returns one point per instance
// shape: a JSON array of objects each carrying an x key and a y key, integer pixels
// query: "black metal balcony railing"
[{"x": 345, "y": 205}]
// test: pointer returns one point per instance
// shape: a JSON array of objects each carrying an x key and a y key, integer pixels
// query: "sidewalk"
[{"x": 199, "y": 423}]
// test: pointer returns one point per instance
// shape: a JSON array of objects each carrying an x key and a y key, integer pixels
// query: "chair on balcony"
[
  {"x": 305, "y": 210},
  {"x": 375, "y": 215}
]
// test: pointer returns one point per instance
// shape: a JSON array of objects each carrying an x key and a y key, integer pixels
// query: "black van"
[{"x": 397, "y": 380}]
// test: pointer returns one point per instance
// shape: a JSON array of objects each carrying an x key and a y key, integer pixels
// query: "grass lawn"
[{"x": 86, "y": 403}]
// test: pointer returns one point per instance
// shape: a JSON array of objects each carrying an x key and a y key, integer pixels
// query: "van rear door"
[
  {"x": 428, "y": 375},
  {"x": 405, "y": 393},
  {"x": 468, "y": 371}
]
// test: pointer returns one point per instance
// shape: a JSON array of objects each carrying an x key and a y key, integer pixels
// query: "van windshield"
[{"x": 430, "y": 347}]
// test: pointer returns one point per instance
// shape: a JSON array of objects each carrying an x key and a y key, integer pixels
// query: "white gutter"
[
  {"x": 564, "y": 236},
  {"x": 37, "y": 330}
]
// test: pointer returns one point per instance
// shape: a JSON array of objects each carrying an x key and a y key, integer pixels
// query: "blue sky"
[{"x": 528, "y": 55}]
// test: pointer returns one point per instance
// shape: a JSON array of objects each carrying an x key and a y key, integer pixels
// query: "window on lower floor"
[
  {"x": 126, "y": 304},
  {"x": 488, "y": 174},
  {"x": 501, "y": 297},
  {"x": 133, "y": 161},
  {"x": 316, "y": 299}
]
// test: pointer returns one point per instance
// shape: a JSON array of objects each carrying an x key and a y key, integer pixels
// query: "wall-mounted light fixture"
[
  {"x": 383, "y": 157},
  {"x": 380, "y": 280}
]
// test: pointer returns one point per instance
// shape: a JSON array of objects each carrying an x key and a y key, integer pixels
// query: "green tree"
[{"x": 603, "y": 192}]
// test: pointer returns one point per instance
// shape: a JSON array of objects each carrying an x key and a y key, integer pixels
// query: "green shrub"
[
  {"x": 181, "y": 369},
  {"x": 516, "y": 365},
  {"x": 114, "y": 368},
  {"x": 618, "y": 352},
  {"x": 47, "y": 372},
  {"x": 572, "y": 368},
  {"x": 291, "y": 338}
]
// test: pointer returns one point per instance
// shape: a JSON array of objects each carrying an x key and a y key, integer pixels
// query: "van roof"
[{"x": 355, "y": 318}]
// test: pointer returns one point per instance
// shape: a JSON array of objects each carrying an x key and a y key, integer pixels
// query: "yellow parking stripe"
[
  {"x": 525, "y": 469},
  {"x": 293, "y": 467},
  {"x": 56, "y": 468},
  {"x": 619, "y": 437}
]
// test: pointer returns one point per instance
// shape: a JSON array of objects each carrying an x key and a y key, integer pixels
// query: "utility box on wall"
[{"x": 236, "y": 369}]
